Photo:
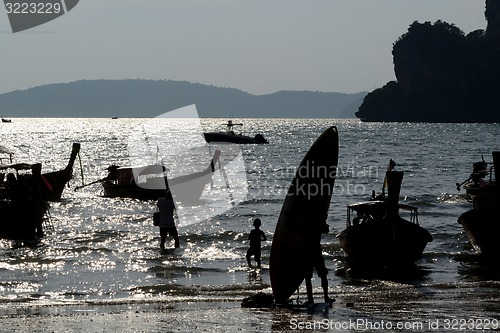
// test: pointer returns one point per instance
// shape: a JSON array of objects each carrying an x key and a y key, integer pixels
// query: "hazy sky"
[{"x": 259, "y": 46}]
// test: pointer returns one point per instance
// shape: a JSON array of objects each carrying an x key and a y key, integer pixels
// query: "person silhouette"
[
  {"x": 167, "y": 210},
  {"x": 317, "y": 262},
  {"x": 256, "y": 236}
]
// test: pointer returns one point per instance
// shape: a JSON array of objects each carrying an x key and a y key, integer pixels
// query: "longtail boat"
[
  {"x": 378, "y": 235},
  {"x": 150, "y": 182},
  {"x": 22, "y": 210},
  {"x": 482, "y": 224}
]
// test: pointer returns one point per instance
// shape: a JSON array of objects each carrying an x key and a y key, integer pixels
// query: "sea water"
[{"x": 105, "y": 251}]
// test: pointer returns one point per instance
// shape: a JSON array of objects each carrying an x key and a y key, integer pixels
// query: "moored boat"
[
  {"x": 53, "y": 183},
  {"x": 150, "y": 182},
  {"x": 21, "y": 209},
  {"x": 482, "y": 224},
  {"x": 229, "y": 136},
  {"x": 378, "y": 235}
]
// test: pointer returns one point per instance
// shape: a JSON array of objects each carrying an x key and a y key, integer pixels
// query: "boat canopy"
[
  {"x": 377, "y": 209},
  {"x": 16, "y": 166}
]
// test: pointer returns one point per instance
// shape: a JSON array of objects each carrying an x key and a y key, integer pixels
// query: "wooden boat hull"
[
  {"x": 185, "y": 189},
  {"x": 385, "y": 242},
  {"x": 133, "y": 191},
  {"x": 59, "y": 179},
  {"x": 302, "y": 209},
  {"x": 482, "y": 227}
]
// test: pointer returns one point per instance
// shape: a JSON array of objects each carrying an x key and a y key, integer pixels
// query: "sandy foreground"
[
  {"x": 226, "y": 316},
  {"x": 385, "y": 313}
]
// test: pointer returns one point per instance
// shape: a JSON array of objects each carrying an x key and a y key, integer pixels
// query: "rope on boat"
[{"x": 228, "y": 187}]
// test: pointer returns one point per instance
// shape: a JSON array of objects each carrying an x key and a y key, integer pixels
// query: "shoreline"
[
  {"x": 204, "y": 316},
  {"x": 426, "y": 312}
]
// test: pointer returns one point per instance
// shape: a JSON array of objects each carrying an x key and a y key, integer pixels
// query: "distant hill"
[{"x": 149, "y": 98}]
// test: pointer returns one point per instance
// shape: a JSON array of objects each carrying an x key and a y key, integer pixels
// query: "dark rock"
[{"x": 442, "y": 75}]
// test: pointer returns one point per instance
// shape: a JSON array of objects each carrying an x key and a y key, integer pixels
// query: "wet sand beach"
[{"x": 400, "y": 308}]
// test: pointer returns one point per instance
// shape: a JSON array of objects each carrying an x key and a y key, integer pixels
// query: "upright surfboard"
[{"x": 305, "y": 207}]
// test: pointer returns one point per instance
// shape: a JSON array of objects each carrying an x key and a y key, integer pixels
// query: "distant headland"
[
  {"x": 150, "y": 98},
  {"x": 442, "y": 75}
]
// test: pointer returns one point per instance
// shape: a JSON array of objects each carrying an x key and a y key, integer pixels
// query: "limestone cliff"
[
  {"x": 492, "y": 14},
  {"x": 442, "y": 75}
]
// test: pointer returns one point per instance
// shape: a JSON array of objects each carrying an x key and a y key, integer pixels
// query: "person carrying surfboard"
[
  {"x": 317, "y": 263},
  {"x": 255, "y": 237}
]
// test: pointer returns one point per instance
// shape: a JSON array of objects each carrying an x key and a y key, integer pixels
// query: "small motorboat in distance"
[
  {"x": 482, "y": 224},
  {"x": 378, "y": 235},
  {"x": 230, "y": 137}
]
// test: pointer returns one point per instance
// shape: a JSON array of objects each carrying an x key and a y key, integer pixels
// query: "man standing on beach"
[{"x": 317, "y": 262}]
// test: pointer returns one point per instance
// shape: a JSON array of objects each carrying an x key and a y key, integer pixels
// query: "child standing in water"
[{"x": 255, "y": 237}]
